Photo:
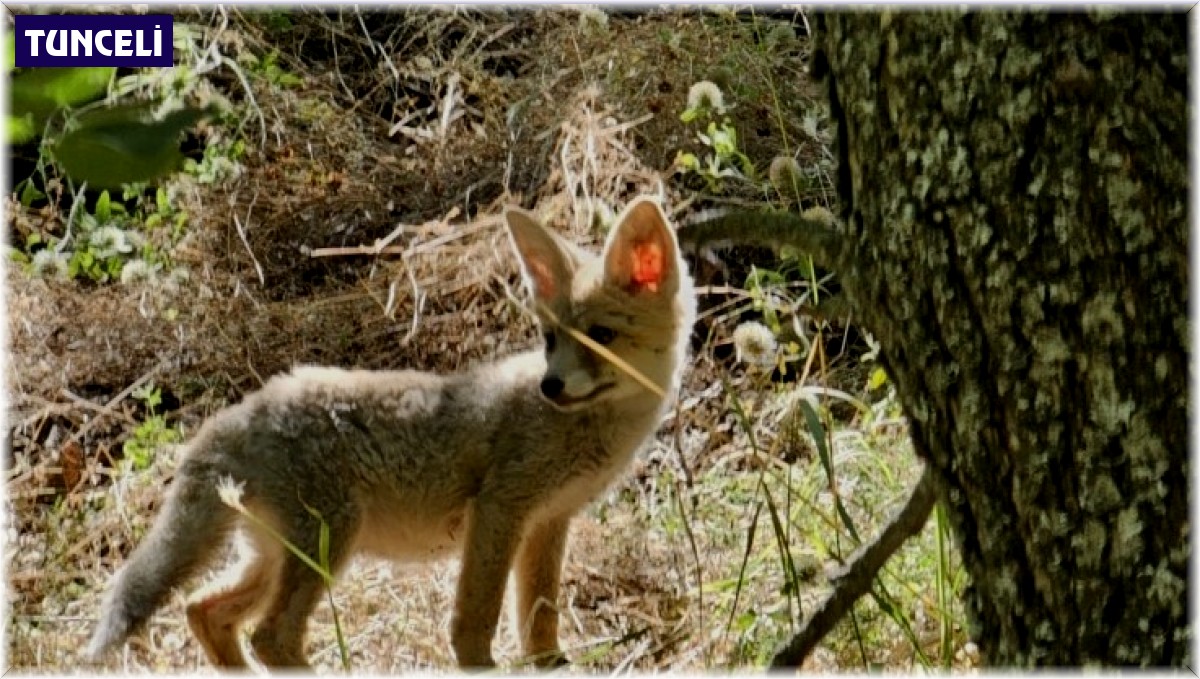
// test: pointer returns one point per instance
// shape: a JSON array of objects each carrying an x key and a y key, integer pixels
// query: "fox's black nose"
[{"x": 551, "y": 386}]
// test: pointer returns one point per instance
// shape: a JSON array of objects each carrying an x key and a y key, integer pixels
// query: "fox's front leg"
[
  {"x": 538, "y": 570},
  {"x": 493, "y": 532}
]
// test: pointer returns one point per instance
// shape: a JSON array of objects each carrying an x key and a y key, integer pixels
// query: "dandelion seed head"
[
  {"x": 593, "y": 20},
  {"x": 109, "y": 241},
  {"x": 177, "y": 277},
  {"x": 138, "y": 271},
  {"x": 784, "y": 173},
  {"x": 230, "y": 492},
  {"x": 780, "y": 37},
  {"x": 50, "y": 264},
  {"x": 136, "y": 239},
  {"x": 755, "y": 343},
  {"x": 819, "y": 213},
  {"x": 706, "y": 94}
]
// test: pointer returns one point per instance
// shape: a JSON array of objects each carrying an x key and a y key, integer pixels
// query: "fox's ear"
[
  {"x": 544, "y": 262},
  {"x": 641, "y": 254}
]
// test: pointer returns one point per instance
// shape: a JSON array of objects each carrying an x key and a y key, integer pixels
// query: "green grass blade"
[{"x": 819, "y": 437}]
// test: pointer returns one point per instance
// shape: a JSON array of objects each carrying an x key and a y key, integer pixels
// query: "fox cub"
[{"x": 490, "y": 463}]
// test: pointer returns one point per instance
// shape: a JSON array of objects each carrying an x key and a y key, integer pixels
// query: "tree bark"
[{"x": 1014, "y": 189}]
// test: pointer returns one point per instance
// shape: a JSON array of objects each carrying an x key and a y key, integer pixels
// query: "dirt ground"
[{"x": 412, "y": 129}]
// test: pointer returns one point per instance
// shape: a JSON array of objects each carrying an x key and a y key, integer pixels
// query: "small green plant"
[
  {"x": 221, "y": 162},
  {"x": 724, "y": 161},
  {"x": 326, "y": 573},
  {"x": 161, "y": 212},
  {"x": 267, "y": 68},
  {"x": 152, "y": 433},
  {"x": 110, "y": 243},
  {"x": 276, "y": 21}
]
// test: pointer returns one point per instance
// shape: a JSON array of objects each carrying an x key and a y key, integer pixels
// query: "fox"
[{"x": 489, "y": 464}]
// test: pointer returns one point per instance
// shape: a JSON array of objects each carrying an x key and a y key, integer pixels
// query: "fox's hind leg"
[
  {"x": 215, "y": 613},
  {"x": 278, "y": 639}
]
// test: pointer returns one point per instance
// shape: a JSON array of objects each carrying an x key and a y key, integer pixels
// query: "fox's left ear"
[
  {"x": 641, "y": 254},
  {"x": 545, "y": 261}
]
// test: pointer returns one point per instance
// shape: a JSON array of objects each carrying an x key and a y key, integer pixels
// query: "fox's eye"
[
  {"x": 549, "y": 337},
  {"x": 601, "y": 335}
]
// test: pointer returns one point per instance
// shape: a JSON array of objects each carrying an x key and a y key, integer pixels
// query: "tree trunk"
[{"x": 1015, "y": 187}]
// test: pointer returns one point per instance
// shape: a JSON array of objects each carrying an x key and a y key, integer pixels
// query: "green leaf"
[
  {"x": 123, "y": 145},
  {"x": 687, "y": 160},
  {"x": 29, "y": 194},
  {"x": 746, "y": 164},
  {"x": 277, "y": 22},
  {"x": 745, "y": 621},
  {"x": 817, "y": 430},
  {"x": 10, "y": 54},
  {"x": 42, "y": 91},
  {"x": 878, "y": 379},
  {"x": 150, "y": 394},
  {"x": 104, "y": 207},
  {"x": 19, "y": 129},
  {"x": 289, "y": 80},
  {"x": 804, "y": 266},
  {"x": 323, "y": 545}
]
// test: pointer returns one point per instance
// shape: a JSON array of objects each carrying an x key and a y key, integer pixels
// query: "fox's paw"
[
  {"x": 477, "y": 667},
  {"x": 550, "y": 660}
]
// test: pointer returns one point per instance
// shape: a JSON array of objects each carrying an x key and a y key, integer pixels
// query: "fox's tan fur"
[{"x": 490, "y": 463}]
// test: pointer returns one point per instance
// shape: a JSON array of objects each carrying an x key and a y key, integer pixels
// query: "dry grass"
[{"x": 485, "y": 108}]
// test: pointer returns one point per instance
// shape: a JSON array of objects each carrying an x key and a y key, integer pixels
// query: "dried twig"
[
  {"x": 408, "y": 251},
  {"x": 418, "y": 307},
  {"x": 242, "y": 234},
  {"x": 76, "y": 201}
]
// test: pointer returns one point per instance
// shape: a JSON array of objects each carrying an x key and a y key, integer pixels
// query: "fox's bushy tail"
[{"x": 189, "y": 530}]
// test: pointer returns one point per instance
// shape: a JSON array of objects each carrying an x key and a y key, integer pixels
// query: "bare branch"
[{"x": 812, "y": 233}]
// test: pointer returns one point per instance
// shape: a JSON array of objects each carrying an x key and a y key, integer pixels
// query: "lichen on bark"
[{"x": 1014, "y": 185}]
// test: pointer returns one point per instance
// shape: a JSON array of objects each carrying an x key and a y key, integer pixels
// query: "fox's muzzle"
[
  {"x": 552, "y": 390},
  {"x": 551, "y": 387}
]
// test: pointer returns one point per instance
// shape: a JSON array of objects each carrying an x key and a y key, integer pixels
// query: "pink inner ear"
[
  {"x": 649, "y": 266},
  {"x": 543, "y": 280}
]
